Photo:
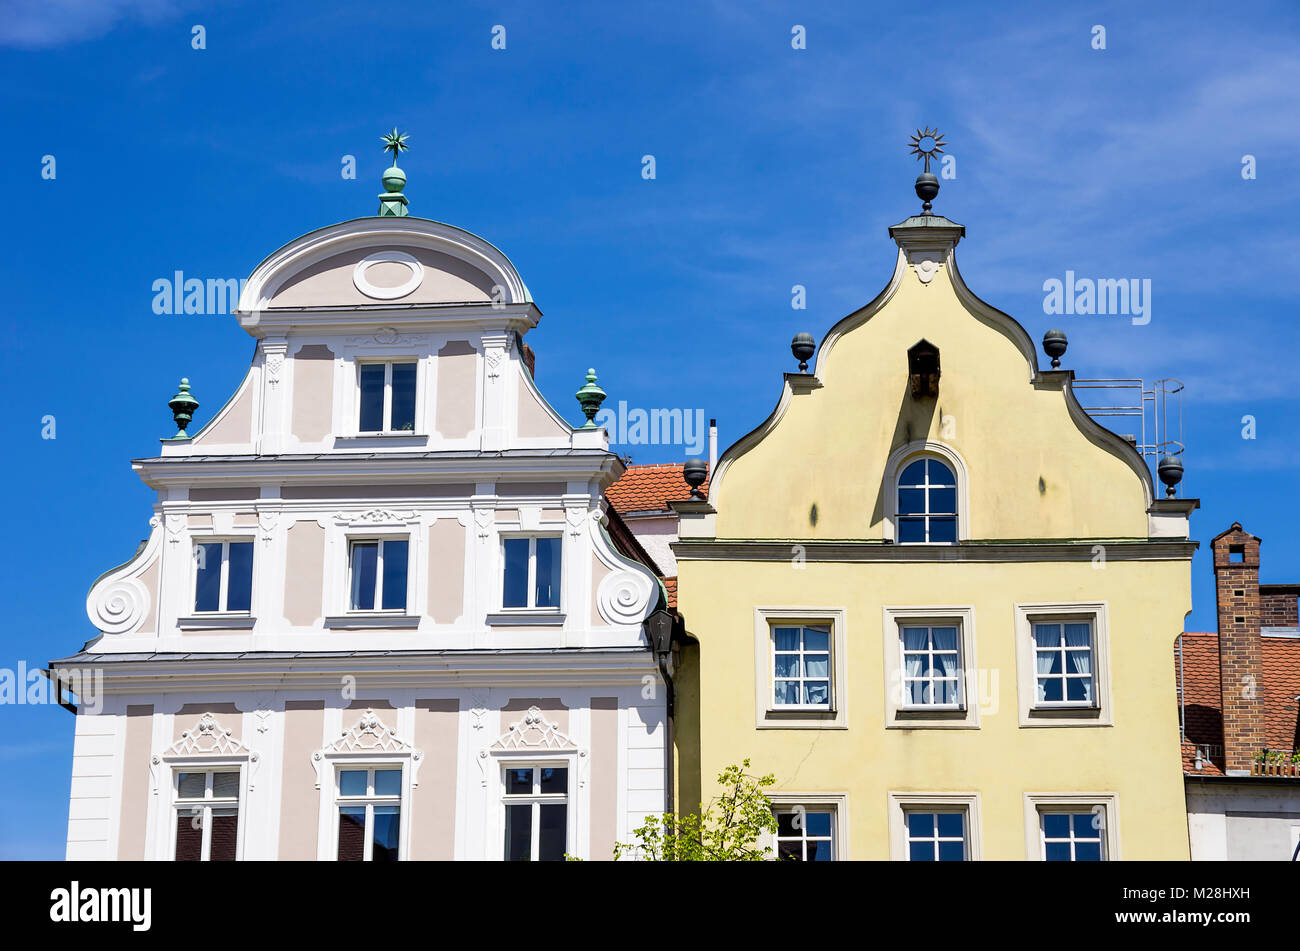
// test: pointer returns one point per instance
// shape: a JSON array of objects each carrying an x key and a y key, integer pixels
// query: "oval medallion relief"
[{"x": 395, "y": 262}]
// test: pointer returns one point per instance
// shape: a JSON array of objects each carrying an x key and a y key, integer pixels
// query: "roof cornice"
[
  {"x": 1048, "y": 550},
  {"x": 247, "y": 671},
  {"x": 404, "y": 318},
  {"x": 379, "y": 467}
]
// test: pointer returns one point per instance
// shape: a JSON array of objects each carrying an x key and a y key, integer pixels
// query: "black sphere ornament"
[
  {"x": 1170, "y": 471},
  {"x": 695, "y": 472},
  {"x": 803, "y": 346},
  {"x": 927, "y": 189},
  {"x": 1054, "y": 344}
]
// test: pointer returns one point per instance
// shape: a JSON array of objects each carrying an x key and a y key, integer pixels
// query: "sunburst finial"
[
  {"x": 395, "y": 142},
  {"x": 934, "y": 137}
]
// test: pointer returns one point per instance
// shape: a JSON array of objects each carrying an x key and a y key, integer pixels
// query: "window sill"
[
  {"x": 371, "y": 621},
  {"x": 783, "y": 718},
  {"x": 1065, "y": 713},
  {"x": 908, "y": 718},
  {"x": 931, "y": 713},
  {"x": 798, "y": 712},
  {"x": 216, "y": 622},
  {"x": 526, "y": 618},
  {"x": 371, "y": 440}
]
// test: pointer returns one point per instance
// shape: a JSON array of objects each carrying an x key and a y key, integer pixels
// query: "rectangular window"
[
  {"x": 1074, "y": 835},
  {"x": 934, "y": 826},
  {"x": 536, "y": 813},
  {"x": 1063, "y": 664},
  {"x": 369, "y": 802},
  {"x": 207, "y": 816},
  {"x": 801, "y": 666},
  {"x": 387, "y": 397},
  {"x": 936, "y": 836},
  {"x": 532, "y": 572},
  {"x": 1063, "y": 653},
  {"x": 932, "y": 671},
  {"x": 932, "y": 679},
  {"x": 805, "y": 834},
  {"x": 378, "y": 574},
  {"x": 223, "y": 576}
]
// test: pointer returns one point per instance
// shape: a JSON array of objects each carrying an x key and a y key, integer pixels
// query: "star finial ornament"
[
  {"x": 934, "y": 135},
  {"x": 395, "y": 142}
]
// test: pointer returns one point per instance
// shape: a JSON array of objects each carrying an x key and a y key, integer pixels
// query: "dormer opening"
[{"x": 923, "y": 369}]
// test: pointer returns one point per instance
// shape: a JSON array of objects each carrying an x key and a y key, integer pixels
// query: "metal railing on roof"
[{"x": 1151, "y": 418}]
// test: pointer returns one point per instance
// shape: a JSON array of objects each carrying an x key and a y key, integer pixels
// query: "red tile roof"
[
  {"x": 670, "y": 584},
  {"x": 1202, "y": 705},
  {"x": 650, "y": 489}
]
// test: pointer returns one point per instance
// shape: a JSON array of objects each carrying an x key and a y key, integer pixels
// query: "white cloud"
[{"x": 41, "y": 24}]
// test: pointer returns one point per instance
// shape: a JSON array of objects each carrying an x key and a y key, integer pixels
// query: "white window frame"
[
  {"x": 932, "y": 716},
  {"x": 370, "y": 800},
  {"x": 536, "y": 800},
  {"x": 222, "y": 596},
  {"x": 1038, "y": 803},
  {"x": 387, "y": 412},
  {"x": 927, "y": 489},
  {"x": 1061, "y": 649},
  {"x": 178, "y": 765},
  {"x": 768, "y": 716},
  {"x": 936, "y": 839},
  {"x": 1054, "y": 714},
  {"x": 352, "y": 541},
  {"x": 836, "y": 803},
  {"x": 904, "y": 456},
  {"x": 829, "y": 705},
  {"x": 901, "y": 803},
  {"x": 531, "y": 589}
]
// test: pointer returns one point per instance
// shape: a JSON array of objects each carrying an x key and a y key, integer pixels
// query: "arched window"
[{"x": 927, "y": 503}]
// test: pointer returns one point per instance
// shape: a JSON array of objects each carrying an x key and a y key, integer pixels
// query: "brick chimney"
[
  {"x": 1236, "y": 580},
  {"x": 1277, "y": 605}
]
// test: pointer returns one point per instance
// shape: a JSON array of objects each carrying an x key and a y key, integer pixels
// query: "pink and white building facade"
[{"x": 378, "y": 614}]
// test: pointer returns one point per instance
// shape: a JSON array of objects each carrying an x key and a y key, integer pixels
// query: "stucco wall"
[
  {"x": 233, "y": 424},
  {"x": 300, "y": 804},
  {"x": 313, "y": 393},
  {"x": 1137, "y": 758},
  {"x": 1246, "y": 821},
  {"x": 1025, "y": 454},
  {"x": 329, "y": 282}
]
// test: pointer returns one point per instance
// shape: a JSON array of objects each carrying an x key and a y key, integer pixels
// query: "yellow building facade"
[{"x": 936, "y": 599}]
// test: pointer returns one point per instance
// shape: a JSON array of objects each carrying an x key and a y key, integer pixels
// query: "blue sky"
[{"x": 774, "y": 167}]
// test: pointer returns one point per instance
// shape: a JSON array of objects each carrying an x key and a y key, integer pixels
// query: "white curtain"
[
  {"x": 947, "y": 691},
  {"x": 1078, "y": 639}
]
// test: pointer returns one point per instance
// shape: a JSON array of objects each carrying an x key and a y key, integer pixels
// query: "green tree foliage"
[{"x": 727, "y": 830}]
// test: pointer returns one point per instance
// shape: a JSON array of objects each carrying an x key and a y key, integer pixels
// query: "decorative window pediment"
[
  {"x": 208, "y": 738},
  {"x": 533, "y": 732},
  {"x": 369, "y": 736},
  {"x": 205, "y": 741},
  {"x": 374, "y": 517}
]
